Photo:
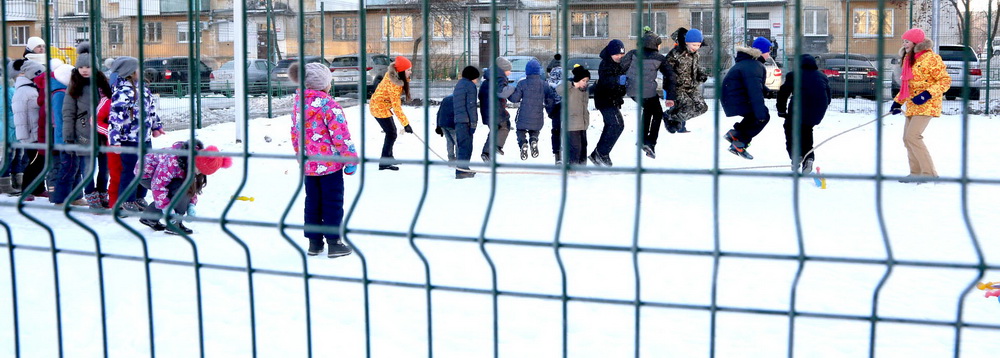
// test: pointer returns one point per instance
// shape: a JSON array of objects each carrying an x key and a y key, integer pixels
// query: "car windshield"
[
  {"x": 518, "y": 64},
  {"x": 227, "y": 66},
  {"x": 588, "y": 63},
  {"x": 285, "y": 63},
  {"x": 349, "y": 61},
  {"x": 954, "y": 53}
]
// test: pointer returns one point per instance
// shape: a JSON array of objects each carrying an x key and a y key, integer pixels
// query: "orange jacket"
[
  {"x": 929, "y": 74},
  {"x": 386, "y": 101}
]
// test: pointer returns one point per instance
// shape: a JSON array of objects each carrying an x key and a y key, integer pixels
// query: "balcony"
[{"x": 21, "y": 10}]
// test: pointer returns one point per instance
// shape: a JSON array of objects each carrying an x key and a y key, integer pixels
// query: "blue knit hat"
[
  {"x": 533, "y": 68},
  {"x": 694, "y": 36},
  {"x": 762, "y": 44}
]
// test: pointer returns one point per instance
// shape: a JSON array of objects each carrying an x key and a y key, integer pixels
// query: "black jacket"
[
  {"x": 607, "y": 92},
  {"x": 465, "y": 102},
  {"x": 816, "y": 93},
  {"x": 743, "y": 88}
]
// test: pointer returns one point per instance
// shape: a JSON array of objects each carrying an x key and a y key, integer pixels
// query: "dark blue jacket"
[
  {"x": 446, "y": 113},
  {"x": 743, "y": 88},
  {"x": 503, "y": 91},
  {"x": 465, "y": 102},
  {"x": 535, "y": 96},
  {"x": 816, "y": 93},
  {"x": 607, "y": 92}
]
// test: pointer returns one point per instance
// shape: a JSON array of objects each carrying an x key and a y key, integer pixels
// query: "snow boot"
[
  {"x": 649, "y": 151},
  {"x": 153, "y": 224},
  {"x": 740, "y": 149},
  {"x": 93, "y": 200},
  {"x": 338, "y": 249},
  {"x": 682, "y": 127},
  {"x": 485, "y": 156},
  {"x": 558, "y": 157},
  {"x": 315, "y": 249},
  {"x": 524, "y": 151},
  {"x": 807, "y": 166},
  {"x": 730, "y": 136},
  {"x": 17, "y": 181},
  {"x": 388, "y": 167},
  {"x": 180, "y": 229},
  {"x": 105, "y": 200},
  {"x": 534, "y": 148},
  {"x": 500, "y": 150},
  {"x": 607, "y": 160},
  {"x": 465, "y": 175},
  {"x": 7, "y": 186},
  {"x": 672, "y": 126},
  {"x": 597, "y": 159}
]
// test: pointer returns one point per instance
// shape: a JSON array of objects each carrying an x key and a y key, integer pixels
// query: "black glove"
[
  {"x": 702, "y": 77},
  {"x": 896, "y": 108},
  {"x": 439, "y": 131},
  {"x": 782, "y": 114},
  {"x": 408, "y": 129},
  {"x": 922, "y": 98}
]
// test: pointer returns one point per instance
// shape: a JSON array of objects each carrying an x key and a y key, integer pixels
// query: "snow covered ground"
[{"x": 756, "y": 215}]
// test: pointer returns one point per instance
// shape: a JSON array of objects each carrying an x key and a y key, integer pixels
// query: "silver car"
[
  {"x": 223, "y": 80},
  {"x": 956, "y": 66},
  {"x": 346, "y": 72}
]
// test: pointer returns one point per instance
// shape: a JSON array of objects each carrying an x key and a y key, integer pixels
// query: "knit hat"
[
  {"x": 30, "y": 69},
  {"x": 108, "y": 62},
  {"x": 694, "y": 36},
  {"x": 10, "y": 69},
  {"x": 915, "y": 35},
  {"x": 83, "y": 54},
  {"x": 318, "y": 76},
  {"x": 615, "y": 47},
  {"x": 470, "y": 72},
  {"x": 651, "y": 41},
  {"x": 63, "y": 73},
  {"x": 34, "y": 42},
  {"x": 402, "y": 64},
  {"x": 503, "y": 64},
  {"x": 580, "y": 73},
  {"x": 557, "y": 57},
  {"x": 762, "y": 44},
  {"x": 210, "y": 165},
  {"x": 124, "y": 66},
  {"x": 533, "y": 68}
]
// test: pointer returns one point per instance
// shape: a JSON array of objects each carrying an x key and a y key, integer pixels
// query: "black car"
[
  {"x": 856, "y": 71},
  {"x": 591, "y": 63},
  {"x": 170, "y": 75}
]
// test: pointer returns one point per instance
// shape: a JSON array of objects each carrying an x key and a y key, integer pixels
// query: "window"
[
  {"x": 541, "y": 24},
  {"x": 19, "y": 35},
  {"x": 345, "y": 28},
  {"x": 82, "y": 34},
  {"x": 657, "y": 21},
  {"x": 182, "y": 33},
  {"x": 116, "y": 33},
  {"x": 866, "y": 22},
  {"x": 703, "y": 21},
  {"x": 816, "y": 22},
  {"x": 443, "y": 28},
  {"x": 226, "y": 31},
  {"x": 758, "y": 16},
  {"x": 153, "y": 32},
  {"x": 397, "y": 27},
  {"x": 590, "y": 24},
  {"x": 81, "y": 7}
]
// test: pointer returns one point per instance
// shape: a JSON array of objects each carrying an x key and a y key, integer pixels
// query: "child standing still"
[
  {"x": 26, "y": 122},
  {"x": 446, "y": 124},
  {"x": 535, "y": 96},
  {"x": 575, "y": 100},
  {"x": 123, "y": 125},
  {"x": 164, "y": 175},
  {"x": 464, "y": 103},
  {"x": 486, "y": 104},
  {"x": 326, "y": 134},
  {"x": 815, "y": 96}
]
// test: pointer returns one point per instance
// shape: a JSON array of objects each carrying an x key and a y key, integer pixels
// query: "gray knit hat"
[
  {"x": 83, "y": 54},
  {"x": 318, "y": 76},
  {"x": 31, "y": 69},
  {"x": 503, "y": 64},
  {"x": 124, "y": 66}
]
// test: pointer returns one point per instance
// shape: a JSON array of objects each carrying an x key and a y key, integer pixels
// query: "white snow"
[{"x": 757, "y": 214}]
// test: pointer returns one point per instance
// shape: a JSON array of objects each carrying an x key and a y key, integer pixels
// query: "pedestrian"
[
  {"x": 609, "y": 94},
  {"x": 10, "y": 161},
  {"x": 164, "y": 174},
  {"x": 446, "y": 124},
  {"x": 464, "y": 103},
  {"x": 575, "y": 100},
  {"x": 503, "y": 91},
  {"x": 386, "y": 103},
  {"x": 684, "y": 60},
  {"x": 641, "y": 77},
  {"x": 555, "y": 62},
  {"x": 535, "y": 97},
  {"x": 815, "y": 96},
  {"x": 26, "y": 123},
  {"x": 34, "y": 46},
  {"x": 63, "y": 177},
  {"x": 326, "y": 134},
  {"x": 743, "y": 95},
  {"x": 555, "y": 81},
  {"x": 923, "y": 82},
  {"x": 123, "y": 126},
  {"x": 78, "y": 120}
]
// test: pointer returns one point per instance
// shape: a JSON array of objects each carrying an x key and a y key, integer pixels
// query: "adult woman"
[
  {"x": 386, "y": 102},
  {"x": 924, "y": 80}
]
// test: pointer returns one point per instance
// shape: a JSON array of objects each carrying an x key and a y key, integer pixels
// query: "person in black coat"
[
  {"x": 535, "y": 96},
  {"x": 554, "y": 63},
  {"x": 608, "y": 98},
  {"x": 464, "y": 103},
  {"x": 446, "y": 124},
  {"x": 641, "y": 78},
  {"x": 815, "y": 96},
  {"x": 743, "y": 95},
  {"x": 503, "y": 90}
]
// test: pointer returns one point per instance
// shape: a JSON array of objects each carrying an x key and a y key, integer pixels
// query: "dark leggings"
[{"x": 389, "y": 127}]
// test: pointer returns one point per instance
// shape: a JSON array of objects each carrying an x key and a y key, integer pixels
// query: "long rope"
[{"x": 588, "y": 174}]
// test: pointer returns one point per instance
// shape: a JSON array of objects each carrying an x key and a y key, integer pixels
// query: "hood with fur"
[
  {"x": 927, "y": 44},
  {"x": 749, "y": 51},
  {"x": 393, "y": 75}
]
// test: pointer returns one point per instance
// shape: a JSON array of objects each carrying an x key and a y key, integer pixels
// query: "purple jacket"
[{"x": 161, "y": 169}]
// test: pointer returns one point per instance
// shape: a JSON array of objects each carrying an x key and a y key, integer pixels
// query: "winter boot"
[
  {"x": 105, "y": 200},
  {"x": 807, "y": 166},
  {"x": 388, "y": 167},
  {"x": 672, "y": 126},
  {"x": 607, "y": 160},
  {"x": 740, "y": 149},
  {"x": 649, "y": 151},
  {"x": 465, "y": 175},
  {"x": 314, "y": 248},
  {"x": 500, "y": 150},
  {"x": 181, "y": 229},
  {"x": 524, "y": 151},
  {"x": 17, "y": 181},
  {"x": 93, "y": 201},
  {"x": 153, "y": 224},
  {"x": 730, "y": 136},
  {"x": 485, "y": 156},
  {"x": 558, "y": 157},
  {"x": 597, "y": 159},
  {"x": 7, "y": 186},
  {"x": 682, "y": 127},
  {"x": 534, "y": 148},
  {"x": 338, "y": 249}
]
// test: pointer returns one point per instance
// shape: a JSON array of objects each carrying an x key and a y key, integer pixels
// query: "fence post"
[
  {"x": 322, "y": 33},
  {"x": 847, "y": 50},
  {"x": 989, "y": 57}
]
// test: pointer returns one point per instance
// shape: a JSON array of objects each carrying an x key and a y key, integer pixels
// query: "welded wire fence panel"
[{"x": 571, "y": 225}]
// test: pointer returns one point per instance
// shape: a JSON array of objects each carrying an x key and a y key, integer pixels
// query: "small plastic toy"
[
  {"x": 245, "y": 198},
  {"x": 992, "y": 289},
  {"x": 819, "y": 180}
]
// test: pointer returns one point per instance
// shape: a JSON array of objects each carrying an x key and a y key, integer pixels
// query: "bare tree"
[{"x": 961, "y": 6}]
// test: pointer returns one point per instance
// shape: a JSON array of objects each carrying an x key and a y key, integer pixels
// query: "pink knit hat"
[
  {"x": 915, "y": 35},
  {"x": 209, "y": 165}
]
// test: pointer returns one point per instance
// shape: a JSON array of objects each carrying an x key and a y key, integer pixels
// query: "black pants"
[
  {"x": 503, "y": 130},
  {"x": 463, "y": 145},
  {"x": 578, "y": 147},
  {"x": 35, "y": 164},
  {"x": 129, "y": 161},
  {"x": 324, "y": 206},
  {"x": 749, "y": 127},
  {"x": 652, "y": 115},
  {"x": 614, "y": 124},
  {"x": 182, "y": 199},
  {"x": 556, "y": 126},
  {"x": 524, "y": 135},
  {"x": 805, "y": 141},
  {"x": 389, "y": 127}
]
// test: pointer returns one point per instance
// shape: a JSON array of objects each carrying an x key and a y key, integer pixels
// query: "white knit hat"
[
  {"x": 34, "y": 42},
  {"x": 63, "y": 73}
]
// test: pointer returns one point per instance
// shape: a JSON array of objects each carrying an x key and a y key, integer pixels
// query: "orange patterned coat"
[
  {"x": 386, "y": 100},
  {"x": 929, "y": 74}
]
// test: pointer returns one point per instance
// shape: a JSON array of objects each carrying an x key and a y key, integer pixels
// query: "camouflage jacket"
[{"x": 687, "y": 72}]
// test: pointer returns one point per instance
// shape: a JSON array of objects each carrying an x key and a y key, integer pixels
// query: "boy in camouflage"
[{"x": 688, "y": 74}]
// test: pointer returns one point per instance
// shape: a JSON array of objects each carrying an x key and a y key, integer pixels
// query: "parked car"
[
  {"x": 223, "y": 79},
  {"x": 346, "y": 72},
  {"x": 857, "y": 71},
  {"x": 170, "y": 75},
  {"x": 952, "y": 55},
  {"x": 591, "y": 63},
  {"x": 518, "y": 64},
  {"x": 279, "y": 75},
  {"x": 772, "y": 77}
]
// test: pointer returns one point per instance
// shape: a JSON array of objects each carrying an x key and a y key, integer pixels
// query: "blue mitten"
[
  {"x": 922, "y": 98},
  {"x": 622, "y": 80},
  {"x": 896, "y": 108},
  {"x": 350, "y": 169},
  {"x": 190, "y": 210}
]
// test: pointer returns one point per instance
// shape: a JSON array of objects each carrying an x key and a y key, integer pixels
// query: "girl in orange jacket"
[
  {"x": 386, "y": 103},
  {"x": 924, "y": 81}
]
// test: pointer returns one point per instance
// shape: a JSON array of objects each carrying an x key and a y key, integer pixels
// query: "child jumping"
[
  {"x": 815, "y": 95},
  {"x": 689, "y": 74},
  {"x": 536, "y": 96}
]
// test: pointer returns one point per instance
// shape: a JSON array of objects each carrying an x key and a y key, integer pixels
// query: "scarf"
[{"x": 907, "y": 74}]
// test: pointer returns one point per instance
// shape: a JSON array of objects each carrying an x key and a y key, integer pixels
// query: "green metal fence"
[{"x": 566, "y": 42}]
